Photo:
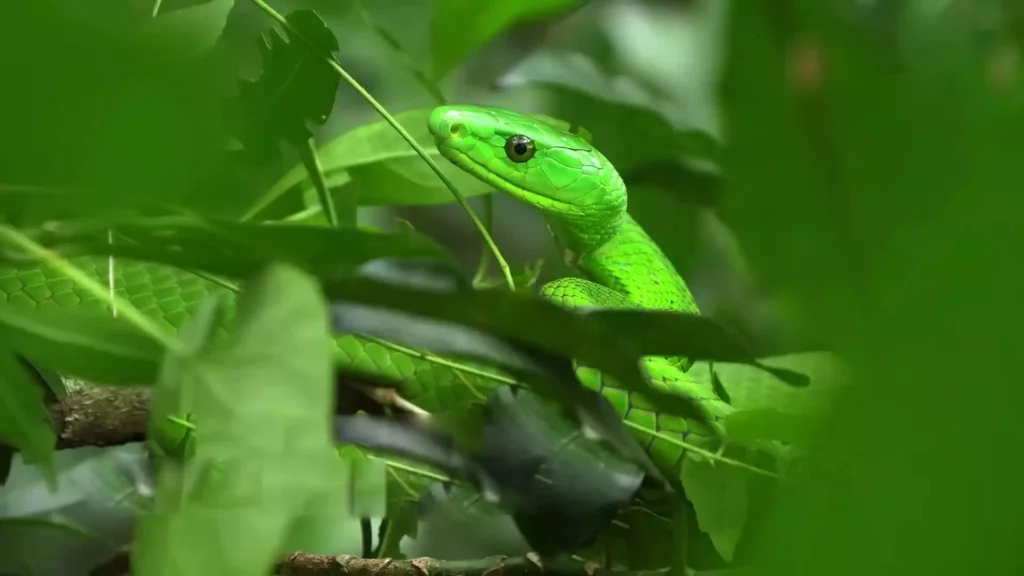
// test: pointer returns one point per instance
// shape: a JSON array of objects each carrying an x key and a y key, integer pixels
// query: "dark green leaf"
[
  {"x": 297, "y": 86},
  {"x": 457, "y": 524},
  {"x": 520, "y": 318},
  {"x": 236, "y": 249},
  {"x": 564, "y": 488},
  {"x": 551, "y": 375},
  {"x": 658, "y": 333},
  {"x": 193, "y": 31},
  {"x": 24, "y": 420},
  {"x": 698, "y": 187}
]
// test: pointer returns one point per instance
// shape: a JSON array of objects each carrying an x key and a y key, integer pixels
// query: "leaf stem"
[
  {"x": 126, "y": 310},
  {"x": 333, "y": 63},
  {"x": 481, "y": 269},
  {"x": 315, "y": 170}
]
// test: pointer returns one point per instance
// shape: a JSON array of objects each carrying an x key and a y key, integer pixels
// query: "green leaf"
[
  {"x": 86, "y": 343},
  {"x": 237, "y": 249},
  {"x": 378, "y": 165},
  {"x": 880, "y": 195},
  {"x": 24, "y": 420},
  {"x": 297, "y": 86},
  {"x": 521, "y": 318},
  {"x": 161, "y": 114},
  {"x": 719, "y": 494},
  {"x": 660, "y": 333},
  {"x": 264, "y": 458},
  {"x": 461, "y": 27},
  {"x": 750, "y": 427},
  {"x": 751, "y": 388},
  {"x": 192, "y": 31},
  {"x": 457, "y": 524}
]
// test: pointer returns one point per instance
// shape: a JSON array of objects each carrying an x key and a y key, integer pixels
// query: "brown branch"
[
  {"x": 97, "y": 415},
  {"x": 316, "y": 565},
  {"x": 100, "y": 416}
]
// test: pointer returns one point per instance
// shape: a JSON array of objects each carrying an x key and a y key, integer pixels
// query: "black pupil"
[{"x": 520, "y": 148}]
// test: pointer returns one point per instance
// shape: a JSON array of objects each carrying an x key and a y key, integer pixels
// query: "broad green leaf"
[
  {"x": 86, "y": 343},
  {"x": 881, "y": 193},
  {"x": 264, "y": 458},
  {"x": 375, "y": 163},
  {"x": 751, "y": 427},
  {"x": 461, "y": 27},
  {"x": 751, "y": 388},
  {"x": 161, "y": 113},
  {"x": 24, "y": 420},
  {"x": 192, "y": 31}
]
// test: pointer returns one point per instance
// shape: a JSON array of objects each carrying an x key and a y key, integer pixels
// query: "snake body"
[
  {"x": 583, "y": 199},
  {"x": 563, "y": 176}
]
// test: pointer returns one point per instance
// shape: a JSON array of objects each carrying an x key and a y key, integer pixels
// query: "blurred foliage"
[{"x": 827, "y": 176}]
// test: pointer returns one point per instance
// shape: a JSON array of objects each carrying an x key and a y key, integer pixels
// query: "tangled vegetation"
[{"x": 260, "y": 313}]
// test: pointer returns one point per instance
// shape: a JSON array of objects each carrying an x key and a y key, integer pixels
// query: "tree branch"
[
  {"x": 315, "y": 565},
  {"x": 100, "y": 416}
]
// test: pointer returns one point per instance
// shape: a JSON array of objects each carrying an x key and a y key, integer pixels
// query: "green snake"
[{"x": 583, "y": 199}]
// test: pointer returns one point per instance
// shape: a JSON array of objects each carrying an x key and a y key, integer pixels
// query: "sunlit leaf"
[
  {"x": 378, "y": 165},
  {"x": 87, "y": 343},
  {"x": 264, "y": 457}
]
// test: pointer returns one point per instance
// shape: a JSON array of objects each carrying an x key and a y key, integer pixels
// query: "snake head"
[{"x": 562, "y": 175}]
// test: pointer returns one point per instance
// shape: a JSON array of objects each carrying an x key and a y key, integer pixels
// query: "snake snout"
[{"x": 444, "y": 122}]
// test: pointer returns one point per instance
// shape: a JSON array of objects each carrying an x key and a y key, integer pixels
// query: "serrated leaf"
[{"x": 297, "y": 86}]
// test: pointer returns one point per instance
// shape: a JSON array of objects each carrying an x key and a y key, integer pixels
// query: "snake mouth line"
[{"x": 462, "y": 160}]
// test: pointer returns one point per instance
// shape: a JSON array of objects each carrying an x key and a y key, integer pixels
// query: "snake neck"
[{"x": 631, "y": 263}]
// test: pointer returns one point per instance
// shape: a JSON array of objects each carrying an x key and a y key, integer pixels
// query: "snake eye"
[{"x": 519, "y": 148}]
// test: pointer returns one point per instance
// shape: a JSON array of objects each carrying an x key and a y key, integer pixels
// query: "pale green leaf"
[
  {"x": 376, "y": 163},
  {"x": 461, "y": 27}
]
